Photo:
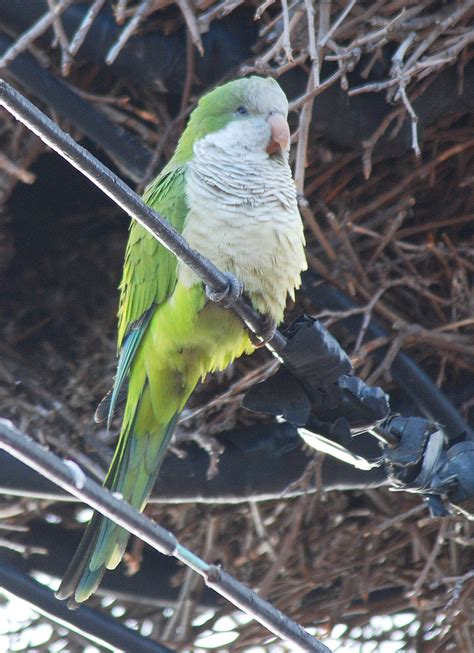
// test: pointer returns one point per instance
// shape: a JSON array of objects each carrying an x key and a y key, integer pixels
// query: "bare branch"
[{"x": 36, "y": 30}]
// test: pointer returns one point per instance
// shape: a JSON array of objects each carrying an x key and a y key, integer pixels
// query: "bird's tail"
[{"x": 132, "y": 474}]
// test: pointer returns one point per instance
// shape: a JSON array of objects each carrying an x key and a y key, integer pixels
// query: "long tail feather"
[{"x": 132, "y": 473}]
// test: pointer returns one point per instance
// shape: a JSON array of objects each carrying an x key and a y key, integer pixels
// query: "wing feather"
[{"x": 149, "y": 275}]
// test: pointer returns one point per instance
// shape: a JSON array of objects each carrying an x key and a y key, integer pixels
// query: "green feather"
[
  {"x": 149, "y": 273},
  {"x": 169, "y": 337}
]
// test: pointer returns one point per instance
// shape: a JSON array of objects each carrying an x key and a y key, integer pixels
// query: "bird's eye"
[{"x": 242, "y": 111}]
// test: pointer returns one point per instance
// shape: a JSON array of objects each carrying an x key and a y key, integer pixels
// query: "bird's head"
[{"x": 246, "y": 113}]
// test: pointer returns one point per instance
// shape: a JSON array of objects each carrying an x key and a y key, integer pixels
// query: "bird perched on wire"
[{"x": 228, "y": 189}]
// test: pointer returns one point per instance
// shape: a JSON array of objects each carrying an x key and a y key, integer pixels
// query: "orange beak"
[{"x": 280, "y": 133}]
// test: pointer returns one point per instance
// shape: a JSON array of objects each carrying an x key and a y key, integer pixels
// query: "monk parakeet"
[{"x": 228, "y": 189}]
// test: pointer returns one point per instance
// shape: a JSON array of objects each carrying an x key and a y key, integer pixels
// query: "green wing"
[
  {"x": 149, "y": 274},
  {"x": 149, "y": 277}
]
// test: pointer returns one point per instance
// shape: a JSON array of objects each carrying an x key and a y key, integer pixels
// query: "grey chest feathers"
[{"x": 244, "y": 217}]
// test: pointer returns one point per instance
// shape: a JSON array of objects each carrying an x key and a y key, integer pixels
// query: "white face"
[
  {"x": 264, "y": 96},
  {"x": 251, "y": 131}
]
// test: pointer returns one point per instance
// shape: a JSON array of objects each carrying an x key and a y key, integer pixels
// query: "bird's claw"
[
  {"x": 268, "y": 331},
  {"x": 229, "y": 295}
]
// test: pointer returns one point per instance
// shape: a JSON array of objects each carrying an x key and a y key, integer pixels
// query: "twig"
[
  {"x": 286, "y": 31},
  {"x": 262, "y": 8},
  {"x": 279, "y": 43},
  {"x": 370, "y": 143},
  {"x": 369, "y": 309},
  {"x": 16, "y": 171},
  {"x": 372, "y": 87},
  {"x": 25, "y": 549},
  {"x": 307, "y": 110},
  {"x": 286, "y": 547},
  {"x": 312, "y": 223},
  {"x": 392, "y": 228},
  {"x": 128, "y": 30},
  {"x": 27, "y": 38},
  {"x": 83, "y": 29},
  {"x": 395, "y": 191},
  {"x": 190, "y": 65},
  {"x": 119, "y": 11},
  {"x": 191, "y": 23},
  {"x": 445, "y": 24},
  {"x": 397, "y": 73},
  {"x": 414, "y": 118},
  {"x": 103, "y": 501},
  {"x": 185, "y": 600},
  {"x": 317, "y": 90},
  {"x": 313, "y": 53},
  {"x": 394, "y": 521},
  {"x": 66, "y": 59},
  {"x": 389, "y": 357},
  {"x": 220, "y": 10},
  {"x": 341, "y": 232},
  {"x": 431, "y": 559},
  {"x": 305, "y": 121},
  {"x": 379, "y": 37},
  {"x": 335, "y": 26},
  {"x": 324, "y": 22}
]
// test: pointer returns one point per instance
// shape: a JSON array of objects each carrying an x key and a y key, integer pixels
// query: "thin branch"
[
  {"x": 440, "y": 539},
  {"x": 262, "y": 8},
  {"x": 335, "y": 26},
  {"x": 66, "y": 59},
  {"x": 317, "y": 90},
  {"x": 36, "y": 30},
  {"x": 128, "y": 30},
  {"x": 280, "y": 42},
  {"x": 191, "y": 23},
  {"x": 190, "y": 68},
  {"x": 119, "y": 11},
  {"x": 445, "y": 24},
  {"x": 218, "y": 11},
  {"x": 379, "y": 37},
  {"x": 414, "y": 118},
  {"x": 305, "y": 121},
  {"x": 286, "y": 31},
  {"x": 80, "y": 36},
  {"x": 313, "y": 52},
  {"x": 16, "y": 171},
  {"x": 397, "y": 60}
]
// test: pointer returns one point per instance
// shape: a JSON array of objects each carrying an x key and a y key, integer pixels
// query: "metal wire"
[
  {"x": 101, "y": 629},
  {"x": 69, "y": 476},
  {"x": 127, "y": 199}
]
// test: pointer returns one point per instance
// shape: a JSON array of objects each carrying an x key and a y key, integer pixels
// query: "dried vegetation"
[{"x": 388, "y": 219}]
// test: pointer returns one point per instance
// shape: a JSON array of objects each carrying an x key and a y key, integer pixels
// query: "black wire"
[
  {"x": 101, "y": 629},
  {"x": 258, "y": 463},
  {"x": 124, "y": 197},
  {"x": 431, "y": 401}
]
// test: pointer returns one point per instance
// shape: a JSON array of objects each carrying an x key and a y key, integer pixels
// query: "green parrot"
[{"x": 229, "y": 190}]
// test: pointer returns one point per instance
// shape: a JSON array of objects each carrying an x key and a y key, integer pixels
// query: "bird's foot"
[
  {"x": 268, "y": 331},
  {"x": 229, "y": 295}
]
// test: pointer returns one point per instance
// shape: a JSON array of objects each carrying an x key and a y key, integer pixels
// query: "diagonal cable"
[
  {"x": 69, "y": 476},
  {"x": 129, "y": 201},
  {"x": 99, "y": 628}
]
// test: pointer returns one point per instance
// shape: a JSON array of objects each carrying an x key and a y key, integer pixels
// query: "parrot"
[{"x": 228, "y": 189}]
